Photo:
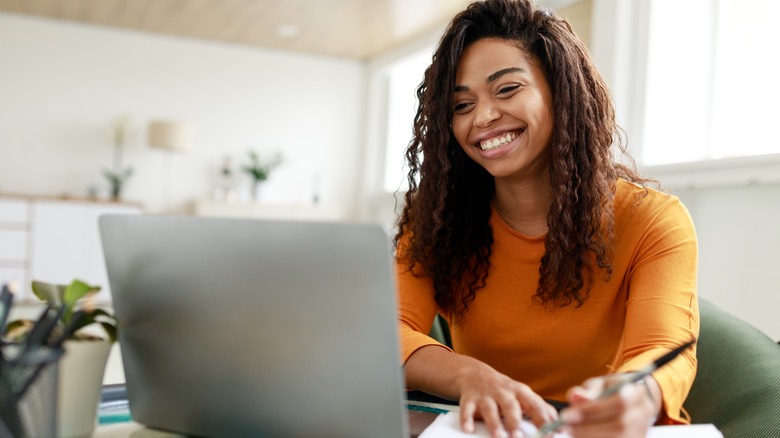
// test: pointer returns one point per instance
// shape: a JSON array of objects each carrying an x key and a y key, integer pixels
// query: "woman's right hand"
[
  {"x": 499, "y": 401},
  {"x": 484, "y": 393}
]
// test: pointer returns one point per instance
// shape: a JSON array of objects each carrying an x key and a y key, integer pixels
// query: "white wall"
[{"x": 63, "y": 85}]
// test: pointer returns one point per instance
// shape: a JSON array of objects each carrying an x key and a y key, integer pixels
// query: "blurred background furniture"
[{"x": 54, "y": 240}]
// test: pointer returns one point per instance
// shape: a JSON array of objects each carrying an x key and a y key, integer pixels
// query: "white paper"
[
  {"x": 448, "y": 426},
  {"x": 693, "y": 430}
]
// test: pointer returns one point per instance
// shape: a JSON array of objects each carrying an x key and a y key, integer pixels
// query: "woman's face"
[{"x": 502, "y": 109}]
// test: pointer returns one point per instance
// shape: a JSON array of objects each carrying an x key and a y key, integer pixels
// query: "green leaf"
[
  {"x": 67, "y": 296},
  {"x": 17, "y": 329},
  {"x": 101, "y": 317},
  {"x": 110, "y": 331},
  {"x": 76, "y": 291},
  {"x": 48, "y": 293},
  {"x": 261, "y": 168}
]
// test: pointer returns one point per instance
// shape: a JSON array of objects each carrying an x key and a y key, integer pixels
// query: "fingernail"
[
  {"x": 518, "y": 434},
  {"x": 468, "y": 426},
  {"x": 500, "y": 433},
  {"x": 571, "y": 416}
]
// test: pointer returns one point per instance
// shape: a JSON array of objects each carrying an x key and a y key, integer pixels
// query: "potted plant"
[
  {"x": 86, "y": 352},
  {"x": 260, "y": 168},
  {"x": 118, "y": 174}
]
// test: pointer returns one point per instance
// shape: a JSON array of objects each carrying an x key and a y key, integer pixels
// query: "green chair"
[
  {"x": 737, "y": 385},
  {"x": 441, "y": 331}
]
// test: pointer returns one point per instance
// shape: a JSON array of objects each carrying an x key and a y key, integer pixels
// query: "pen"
[
  {"x": 34, "y": 351},
  {"x": 68, "y": 330},
  {"x": 41, "y": 329},
  {"x": 6, "y": 297},
  {"x": 631, "y": 378}
]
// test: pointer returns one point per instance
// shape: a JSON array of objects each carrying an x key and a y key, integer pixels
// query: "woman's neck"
[{"x": 524, "y": 205}]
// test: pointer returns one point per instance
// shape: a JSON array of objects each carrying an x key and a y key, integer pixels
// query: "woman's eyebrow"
[
  {"x": 493, "y": 77},
  {"x": 503, "y": 72}
]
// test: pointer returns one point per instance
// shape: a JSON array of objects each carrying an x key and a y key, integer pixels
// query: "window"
[
  {"x": 404, "y": 76},
  {"x": 711, "y": 89}
]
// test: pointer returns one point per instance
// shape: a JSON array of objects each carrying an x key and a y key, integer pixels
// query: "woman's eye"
[
  {"x": 508, "y": 89},
  {"x": 460, "y": 107}
]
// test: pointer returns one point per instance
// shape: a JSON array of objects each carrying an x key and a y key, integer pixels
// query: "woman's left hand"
[{"x": 628, "y": 413}]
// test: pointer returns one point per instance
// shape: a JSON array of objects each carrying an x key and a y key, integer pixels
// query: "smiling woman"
[{"x": 555, "y": 266}]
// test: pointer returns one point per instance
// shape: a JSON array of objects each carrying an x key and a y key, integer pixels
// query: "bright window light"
[
  {"x": 403, "y": 79},
  {"x": 711, "y": 91}
]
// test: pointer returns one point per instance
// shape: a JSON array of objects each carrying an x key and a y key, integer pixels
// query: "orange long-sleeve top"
[{"x": 648, "y": 306}]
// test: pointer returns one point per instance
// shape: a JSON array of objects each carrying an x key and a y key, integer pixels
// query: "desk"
[
  {"x": 422, "y": 410},
  {"x": 418, "y": 421}
]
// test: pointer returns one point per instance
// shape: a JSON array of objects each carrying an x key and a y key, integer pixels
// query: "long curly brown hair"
[{"x": 445, "y": 221}]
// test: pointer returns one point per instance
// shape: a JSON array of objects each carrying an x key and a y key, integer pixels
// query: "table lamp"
[{"x": 170, "y": 136}]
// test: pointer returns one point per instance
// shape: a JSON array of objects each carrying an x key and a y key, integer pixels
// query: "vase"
[
  {"x": 257, "y": 190},
  {"x": 116, "y": 191},
  {"x": 80, "y": 386}
]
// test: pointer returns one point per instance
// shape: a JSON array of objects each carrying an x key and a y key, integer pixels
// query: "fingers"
[
  {"x": 512, "y": 413},
  {"x": 534, "y": 406},
  {"x": 501, "y": 419},
  {"x": 488, "y": 408},
  {"x": 502, "y": 411},
  {"x": 625, "y": 413},
  {"x": 467, "y": 411},
  {"x": 589, "y": 390},
  {"x": 499, "y": 401}
]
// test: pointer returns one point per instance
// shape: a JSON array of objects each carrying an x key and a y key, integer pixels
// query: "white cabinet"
[
  {"x": 14, "y": 240},
  {"x": 58, "y": 242}
]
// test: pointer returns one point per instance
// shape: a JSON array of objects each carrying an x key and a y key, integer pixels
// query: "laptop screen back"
[{"x": 234, "y": 327}]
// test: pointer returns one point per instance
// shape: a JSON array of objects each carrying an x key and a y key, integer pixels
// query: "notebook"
[{"x": 233, "y": 327}]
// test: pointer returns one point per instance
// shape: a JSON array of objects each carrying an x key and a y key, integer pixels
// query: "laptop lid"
[{"x": 233, "y": 327}]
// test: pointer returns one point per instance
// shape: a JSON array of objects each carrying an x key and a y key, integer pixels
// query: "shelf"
[{"x": 255, "y": 210}]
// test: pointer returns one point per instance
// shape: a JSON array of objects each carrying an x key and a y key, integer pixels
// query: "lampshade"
[{"x": 170, "y": 135}]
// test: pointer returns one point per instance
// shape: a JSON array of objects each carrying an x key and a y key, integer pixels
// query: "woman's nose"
[{"x": 485, "y": 114}]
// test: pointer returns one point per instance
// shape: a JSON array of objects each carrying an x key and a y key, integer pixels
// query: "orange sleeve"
[
  {"x": 416, "y": 309},
  {"x": 662, "y": 308}
]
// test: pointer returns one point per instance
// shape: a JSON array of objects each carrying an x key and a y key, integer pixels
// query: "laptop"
[{"x": 256, "y": 328}]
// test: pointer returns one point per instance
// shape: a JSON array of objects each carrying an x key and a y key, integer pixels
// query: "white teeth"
[{"x": 495, "y": 142}]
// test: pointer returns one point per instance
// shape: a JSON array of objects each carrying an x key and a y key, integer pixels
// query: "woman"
[{"x": 551, "y": 262}]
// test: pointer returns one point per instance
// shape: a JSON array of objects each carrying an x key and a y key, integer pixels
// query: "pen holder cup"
[{"x": 28, "y": 396}]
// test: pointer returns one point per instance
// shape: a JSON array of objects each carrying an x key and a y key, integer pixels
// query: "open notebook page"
[{"x": 448, "y": 426}]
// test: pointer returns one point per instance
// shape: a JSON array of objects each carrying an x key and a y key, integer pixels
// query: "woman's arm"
[
  {"x": 662, "y": 310},
  {"x": 431, "y": 367},
  {"x": 661, "y": 313}
]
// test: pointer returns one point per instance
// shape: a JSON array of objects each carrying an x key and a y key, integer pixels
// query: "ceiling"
[
  {"x": 356, "y": 29},
  {"x": 343, "y": 28}
]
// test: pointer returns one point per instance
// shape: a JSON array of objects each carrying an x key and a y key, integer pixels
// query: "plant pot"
[
  {"x": 80, "y": 385},
  {"x": 257, "y": 190}
]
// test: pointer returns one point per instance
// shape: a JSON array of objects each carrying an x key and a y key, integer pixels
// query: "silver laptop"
[{"x": 256, "y": 328}]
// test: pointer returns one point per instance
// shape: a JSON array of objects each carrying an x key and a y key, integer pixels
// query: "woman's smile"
[{"x": 499, "y": 140}]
